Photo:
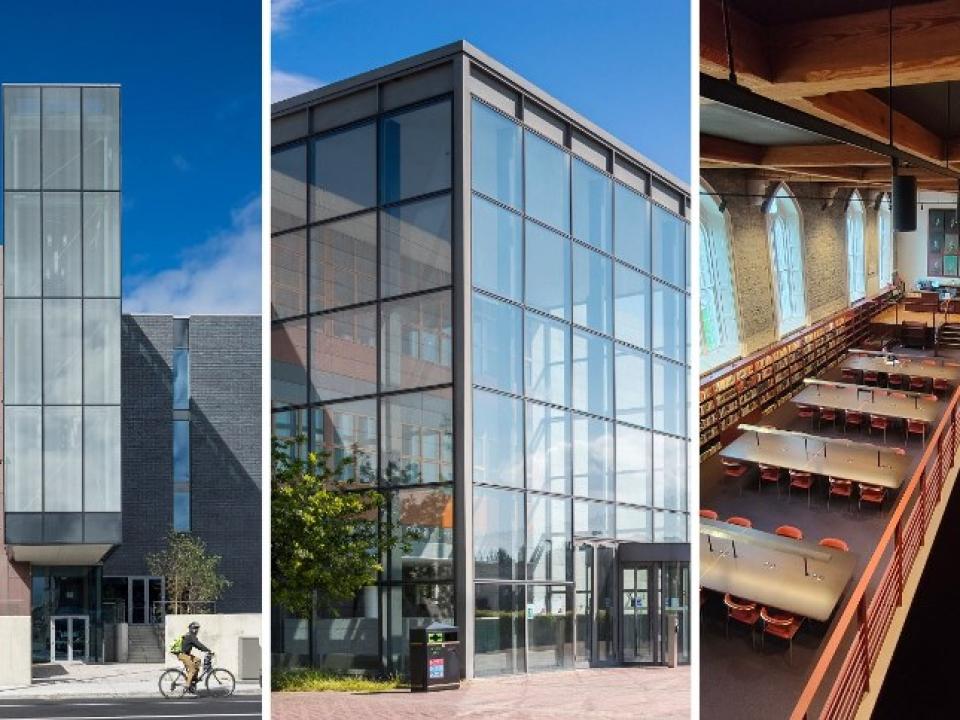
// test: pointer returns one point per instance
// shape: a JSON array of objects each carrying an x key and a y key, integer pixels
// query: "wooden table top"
[
  {"x": 904, "y": 366},
  {"x": 860, "y": 398}
]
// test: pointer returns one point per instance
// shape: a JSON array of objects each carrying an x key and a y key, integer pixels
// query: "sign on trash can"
[{"x": 434, "y": 658}]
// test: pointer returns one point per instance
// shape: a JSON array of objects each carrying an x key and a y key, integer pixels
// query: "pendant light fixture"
[{"x": 903, "y": 188}]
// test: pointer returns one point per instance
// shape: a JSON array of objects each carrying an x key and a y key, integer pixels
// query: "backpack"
[{"x": 177, "y": 647}]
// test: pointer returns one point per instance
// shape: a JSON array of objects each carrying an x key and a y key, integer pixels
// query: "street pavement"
[
  {"x": 243, "y": 706},
  {"x": 600, "y": 694}
]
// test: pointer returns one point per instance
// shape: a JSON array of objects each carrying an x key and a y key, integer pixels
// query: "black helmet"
[{"x": 194, "y": 626}]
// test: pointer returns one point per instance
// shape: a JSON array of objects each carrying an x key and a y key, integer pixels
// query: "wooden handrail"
[{"x": 858, "y": 595}]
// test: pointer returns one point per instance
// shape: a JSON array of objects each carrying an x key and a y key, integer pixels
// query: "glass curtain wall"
[
  {"x": 363, "y": 353},
  {"x": 62, "y": 312},
  {"x": 580, "y": 293}
]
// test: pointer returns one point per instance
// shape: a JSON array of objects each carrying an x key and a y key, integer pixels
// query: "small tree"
[
  {"x": 191, "y": 574},
  {"x": 327, "y": 537}
]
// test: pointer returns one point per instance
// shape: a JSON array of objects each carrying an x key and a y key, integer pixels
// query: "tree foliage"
[
  {"x": 328, "y": 533},
  {"x": 192, "y": 578}
]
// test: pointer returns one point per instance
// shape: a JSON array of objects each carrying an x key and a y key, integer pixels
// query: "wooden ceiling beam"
[
  {"x": 730, "y": 152},
  {"x": 833, "y": 155}
]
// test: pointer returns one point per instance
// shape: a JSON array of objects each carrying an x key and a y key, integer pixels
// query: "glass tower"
[{"x": 487, "y": 295}]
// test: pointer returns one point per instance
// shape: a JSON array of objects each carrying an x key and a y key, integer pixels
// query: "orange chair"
[
  {"x": 940, "y": 386},
  {"x": 769, "y": 474},
  {"x": 841, "y": 488},
  {"x": 916, "y": 427},
  {"x": 802, "y": 481},
  {"x": 735, "y": 470},
  {"x": 895, "y": 381},
  {"x": 741, "y": 521},
  {"x": 780, "y": 624},
  {"x": 872, "y": 494},
  {"x": 870, "y": 377},
  {"x": 708, "y": 514},
  {"x": 835, "y": 543},
  {"x": 918, "y": 383},
  {"x": 743, "y": 611},
  {"x": 789, "y": 531},
  {"x": 879, "y": 422},
  {"x": 852, "y": 417},
  {"x": 807, "y": 412},
  {"x": 827, "y": 415}
]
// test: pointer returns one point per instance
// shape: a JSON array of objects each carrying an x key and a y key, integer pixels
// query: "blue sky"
[
  {"x": 191, "y": 77},
  {"x": 624, "y": 64}
]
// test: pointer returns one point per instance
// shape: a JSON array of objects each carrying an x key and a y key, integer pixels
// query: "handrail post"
[
  {"x": 941, "y": 471},
  {"x": 865, "y": 629},
  {"x": 898, "y": 558}
]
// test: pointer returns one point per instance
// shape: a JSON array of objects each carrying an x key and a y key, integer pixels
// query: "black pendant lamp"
[{"x": 903, "y": 190}]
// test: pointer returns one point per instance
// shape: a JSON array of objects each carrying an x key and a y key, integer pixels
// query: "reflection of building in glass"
[{"x": 488, "y": 295}]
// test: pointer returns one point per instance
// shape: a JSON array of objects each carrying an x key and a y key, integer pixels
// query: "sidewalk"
[
  {"x": 602, "y": 694},
  {"x": 53, "y": 681}
]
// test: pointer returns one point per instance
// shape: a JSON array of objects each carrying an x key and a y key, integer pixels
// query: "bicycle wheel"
[
  {"x": 173, "y": 683},
  {"x": 220, "y": 682}
]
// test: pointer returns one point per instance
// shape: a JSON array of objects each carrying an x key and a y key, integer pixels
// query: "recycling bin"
[{"x": 434, "y": 658}]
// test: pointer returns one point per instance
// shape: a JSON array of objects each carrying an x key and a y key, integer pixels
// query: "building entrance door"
[
  {"x": 640, "y": 611},
  {"x": 596, "y": 606},
  {"x": 69, "y": 638},
  {"x": 144, "y": 596}
]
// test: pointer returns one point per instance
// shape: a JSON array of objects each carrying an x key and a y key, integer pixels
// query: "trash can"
[
  {"x": 434, "y": 658},
  {"x": 673, "y": 637}
]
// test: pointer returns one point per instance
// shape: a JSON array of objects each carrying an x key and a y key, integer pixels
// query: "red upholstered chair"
[
  {"x": 849, "y": 375},
  {"x": 827, "y": 415},
  {"x": 801, "y": 481},
  {"x": 708, "y": 514},
  {"x": 940, "y": 386},
  {"x": 735, "y": 470},
  {"x": 840, "y": 488},
  {"x": 741, "y": 521},
  {"x": 743, "y": 611},
  {"x": 870, "y": 377},
  {"x": 894, "y": 381},
  {"x": 769, "y": 474},
  {"x": 807, "y": 412},
  {"x": 916, "y": 427},
  {"x": 918, "y": 383},
  {"x": 852, "y": 417},
  {"x": 872, "y": 494},
  {"x": 879, "y": 422},
  {"x": 789, "y": 531},
  {"x": 780, "y": 624},
  {"x": 835, "y": 544}
]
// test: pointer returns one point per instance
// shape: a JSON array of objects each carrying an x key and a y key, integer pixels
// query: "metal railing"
[
  {"x": 868, "y": 619},
  {"x": 159, "y": 609}
]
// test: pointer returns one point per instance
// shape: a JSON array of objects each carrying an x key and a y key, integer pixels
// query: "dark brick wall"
[{"x": 225, "y": 446}]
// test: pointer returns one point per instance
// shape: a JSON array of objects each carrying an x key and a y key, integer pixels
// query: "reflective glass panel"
[
  {"x": 343, "y": 262},
  {"x": 593, "y": 519},
  {"x": 669, "y": 397},
  {"x": 343, "y": 354},
  {"x": 631, "y": 306},
  {"x": 22, "y": 244},
  {"x": 592, "y": 458},
  {"x": 62, "y": 250},
  {"x": 634, "y": 524},
  {"x": 669, "y": 247},
  {"x": 549, "y": 628},
  {"x": 416, "y": 341},
  {"x": 101, "y": 459},
  {"x": 101, "y": 352},
  {"x": 548, "y": 538},
  {"x": 669, "y": 472},
  {"x": 62, "y": 461},
  {"x": 669, "y": 328},
  {"x": 669, "y": 526},
  {"x": 496, "y": 158},
  {"x": 548, "y": 449},
  {"x": 592, "y": 206},
  {"x": 288, "y": 281},
  {"x": 547, "y": 271},
  {"x": 632, "y": 228},
  {"x": 592, "y": 374},
  {"x": 428, "y": 513},
  {"x": 344, "y": 176},
  {"x": 21, "y": 132},
  {"x": 405, "y": 607},
  {"x": 101, "y": 138},
  {"x": 497, "y": 439},
  {"x": 22, "y": 363},
  {"x": 288, "y": 188},
  {"x": 415, "y": 152},
  {"x": 499, "y": 629},
  {"x": 288, "y": 347},
  {"x": 497, "y": 340},
  {"x": 592, "y": 294},
  {"x": 62, "y": 348},
  {"x": 417, "y": 437},
  {"x": 22, "y": 459},
  {"x": 181, "y": 379},
  {"x": 498, "y": 541},
  {"x": 633, "y": 386},
  {"x": 101, "y": 244},
  {"x": 546, "y": 360},
  {"x": 61, "y": 138},
  {"x": 547, "y": 183},
  {"x": 633, "y": 465},
  {"x": 497, "y": 243},
  {"x": 348, "y": 430},
  {"x": 415, "y": 246}
]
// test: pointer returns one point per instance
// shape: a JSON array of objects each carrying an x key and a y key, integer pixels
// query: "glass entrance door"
[
  {"x": 144, "y": 596},
  {"x": 596, "y": 606},
  {"x": 69, "y": 638},
  {"x": 676, "y": 601},
  {"x": 583, "y": 605},
  {"x": 639, "y": 604}
]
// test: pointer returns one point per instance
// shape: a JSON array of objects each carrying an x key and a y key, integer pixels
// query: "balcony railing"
[{"x": 863, "y": 624}]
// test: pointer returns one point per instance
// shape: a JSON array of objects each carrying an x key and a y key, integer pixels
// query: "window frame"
[
  {"x": 713, "y": 246},
  {"x": 786, "y": 326},
  {"x": 855, "y": 228}
]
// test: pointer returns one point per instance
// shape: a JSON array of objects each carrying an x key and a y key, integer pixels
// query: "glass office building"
[{"x": 486, "y": 295}]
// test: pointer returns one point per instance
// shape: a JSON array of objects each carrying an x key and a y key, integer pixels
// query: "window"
[
  {"x": 181, "y": 475},
  {"x": 61, "y": 138},
  {"x": 592, "y": 458},
  {"x": 497, "y": 344},
  {"x": 631, "y": 306},
  {"x": 62, "y": 459},
  {"x": 415, "y": 247},
  {"x": 496, "y": 158},
  {"x": 22, "y": 462},
  {"x": 497, "y": 246},
  {"x": 548, "y": 449},
  {"x": 633, "y": 465},
  {"x": 592, "y": 293},
  {"x": 498, "y": 534},
  {"x": 783, "y": 227},
  {"x": 669, "y": 472},
  {"x": 632, "y": 228},
  {"x": 633, "y": 524},
  {"x": 632, "y": 392},
  {"x": 288, "y": 282},
  {"x": 21, "y": 151},
  {"x": 669, "y": 328},
  {"x": 719, "y": 333},
  {"x": 497, "y": 439},
  {"x": 593, "y": 518},
  {"x": 344, "y": 172},
  {"x": 856, "y": 269},
  {"x": 592, "y": 374},
  {"x": 348, "y": 429},
  {"x": 427, "y": 513},
  {"x": 288, "y": 348},
  {"x": 101, "y": 244},
  {"x": 416, "y": 342},
  {"x": 885, "y": 231},
  {"x": 62, "y": 352},
  {"x": 343, "y": 262},
  {"x": 417, "y": 438},
  {"x": 288, "y": 188},
  {"x": 547, "y": 270},
  {"x": 669, "y": 397},
  {"x": 592, "y": 206},
  {"x": 669, "y": 247},
  {"x": 22, "y": 378},
  {"x": 101, "y": 352},
  {"x": 22, "y": 244},
  {"x": 547, "y": 531},
  {"x": 343, "y": 350},
  {"x": 101, "y": 138},
  {"x": 415, "y": 152},
  {"x": 546, "y": 360},
  {"x": 62, "y": 231},
  {"x": 547, "y": 182}
]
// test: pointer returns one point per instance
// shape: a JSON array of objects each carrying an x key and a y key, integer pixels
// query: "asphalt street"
[{"x": 239, "y": 706}]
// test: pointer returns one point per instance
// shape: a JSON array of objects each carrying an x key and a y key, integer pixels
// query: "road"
[{"x": 239, "y": 706}]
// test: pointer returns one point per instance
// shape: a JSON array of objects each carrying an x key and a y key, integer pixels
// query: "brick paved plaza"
[{"x": 655, "y": 692}]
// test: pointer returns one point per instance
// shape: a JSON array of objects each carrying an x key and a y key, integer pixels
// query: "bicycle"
[{"x": 219, "y": 682}]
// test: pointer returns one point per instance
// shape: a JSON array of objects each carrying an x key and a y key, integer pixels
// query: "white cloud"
[
  {"x": 220, "y": 276},
  {"x": 284, "y": 85},
  {"x": 280, "y": 13}
]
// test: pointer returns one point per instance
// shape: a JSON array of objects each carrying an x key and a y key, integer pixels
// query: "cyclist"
[{"x": 184, "y": 654}]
